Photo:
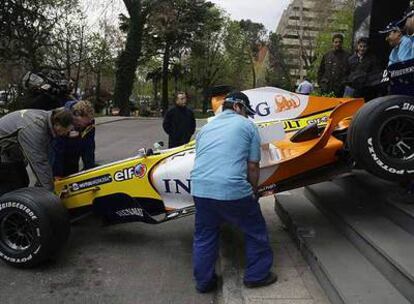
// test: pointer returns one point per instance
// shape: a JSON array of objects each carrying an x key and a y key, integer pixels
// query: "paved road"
[
  {"x": 139, "y": 263},
  {"x": 129, "y": 263}
]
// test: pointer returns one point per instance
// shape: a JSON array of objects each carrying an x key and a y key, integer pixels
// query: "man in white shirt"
[{"x": 305, "y": 87}]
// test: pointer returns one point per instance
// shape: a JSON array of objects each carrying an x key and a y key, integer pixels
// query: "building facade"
[{"x": 299, "y": 27}]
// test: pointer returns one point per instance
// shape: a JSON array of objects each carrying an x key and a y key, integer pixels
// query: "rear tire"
[
  {"x": 34, "y": 226},
  {"x": 381, "y": 137}
]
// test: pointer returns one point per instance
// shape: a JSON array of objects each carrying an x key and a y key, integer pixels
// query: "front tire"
[
  {"x": 33, "y": 227},
  {"x": 381, "y": 137}
]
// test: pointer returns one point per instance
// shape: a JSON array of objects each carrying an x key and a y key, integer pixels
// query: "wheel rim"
[
  {"x": 397, "y": 138},
  {"x": 17, "y": 231}
]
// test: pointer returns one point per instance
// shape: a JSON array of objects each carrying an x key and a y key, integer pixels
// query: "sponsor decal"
[
  {"x": 89, "y": 183},
  {"x": 138, "y": 171},
  {"x": 408, "y": 107},
  {"x": 177, "y": 186},
  {"x": 286, "y": 102},
  {"x": 130, "y": 212},
  {"x": 300, "y": 123},
  {"x": 401, "y": 72},
  {"x": 182, "y": 154},
  {"x": 20, "y": 206},
  {"x": 15, "y": 260},
  {"x": 271, "y": 187},
  {"x": 385, "y": 76},
  {"x": 380, "y": 162},
  {"x": 319, "y": 120},
  {"x": 268, "y": 190}
]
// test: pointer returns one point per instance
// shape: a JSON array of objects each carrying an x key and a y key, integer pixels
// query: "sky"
[{"x": 267, "y": 12}]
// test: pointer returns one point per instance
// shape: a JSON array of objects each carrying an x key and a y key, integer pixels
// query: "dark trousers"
[
  {"x": 13, "y": 176},
  {"x": 67, "y": 152},
  {"x": 245, "y": 214}
]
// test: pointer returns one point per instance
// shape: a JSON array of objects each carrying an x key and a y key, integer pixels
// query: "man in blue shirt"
[
  {"x": 224, "y": 184},
  {"x": 402, "y": 45}
]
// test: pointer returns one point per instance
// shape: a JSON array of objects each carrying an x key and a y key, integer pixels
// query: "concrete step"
[
  {"x": 346, "y": 275},
  {"x": 393, "y": 199},
  {"x": 357, "y": 213}
]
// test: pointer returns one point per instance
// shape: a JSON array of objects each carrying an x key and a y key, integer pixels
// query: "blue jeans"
[{"x": 244, "y": 213}]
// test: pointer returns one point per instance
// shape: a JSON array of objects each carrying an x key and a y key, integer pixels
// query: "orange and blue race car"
[{"x": 305, "y": 139}]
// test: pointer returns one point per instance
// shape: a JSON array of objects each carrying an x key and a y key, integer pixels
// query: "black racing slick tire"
[
  {"x": 34, "y": 226},
  {"x": 381, "y": 138}
]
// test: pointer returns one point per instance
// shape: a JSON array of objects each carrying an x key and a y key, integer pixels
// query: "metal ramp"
[{"x": 356, "y": 236}]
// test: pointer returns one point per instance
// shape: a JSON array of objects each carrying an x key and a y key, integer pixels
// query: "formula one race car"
[{"x": 305, "y": 139}]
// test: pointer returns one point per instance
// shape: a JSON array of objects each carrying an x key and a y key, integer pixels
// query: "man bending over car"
[
  {"x": 79, "y": 144},
  {"x": 224, "y": 185},
  {"x": 25, "y": 136}
]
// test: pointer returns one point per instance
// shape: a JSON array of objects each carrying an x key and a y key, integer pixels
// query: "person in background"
[
  {"x": 305, "y": 87},
  {"x": 401, "y": 45},
  {"x": 224, "y": 184},
  {"x": 80, "y": 142},
  {"x": 334, "y": 68},
  {"x": 361, "y": 64},
  {"x": 25, "y": 136},
  {"x": 179, "y": 122}
]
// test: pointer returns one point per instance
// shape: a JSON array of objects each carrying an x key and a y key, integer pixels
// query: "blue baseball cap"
[
  {"x": 241, "y": 98},
  {"x": 392, "y": 26}
]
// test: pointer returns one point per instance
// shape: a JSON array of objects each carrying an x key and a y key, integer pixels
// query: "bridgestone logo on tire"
[
  {"x": 18, "y": 206},
  {"x": 379, "y": 161}
]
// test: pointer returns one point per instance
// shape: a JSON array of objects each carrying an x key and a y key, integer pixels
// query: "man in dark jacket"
[
  {"x": 361, "y": 65},
  {"x": 25, "y": 136},
  {"x": 334, "y": 68},
  {"x": 179, "y": 122},
  {"x": 79, "y": 144}
]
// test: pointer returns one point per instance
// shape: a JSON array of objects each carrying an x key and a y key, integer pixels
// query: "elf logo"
[{"x": 128, "y": 173}]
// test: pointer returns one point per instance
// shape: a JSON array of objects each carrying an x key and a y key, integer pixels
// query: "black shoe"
[
  {"x": 270, "y": 279},
  {"x": 210, "y": 287}
]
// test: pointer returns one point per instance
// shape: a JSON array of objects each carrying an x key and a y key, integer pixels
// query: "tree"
[
  {"x": 128, "y": 58},
  {"x": 101, "y": 52},
  {"x": 237, "y": 57},
  {"x": 278, "y": 71},
  {"x": 171, "y": 30},
  {"x": 254, "y": 33},
  {"x": 68, "y": 50},
  {"x": 26, "y": 29},
  {"x": 207, "y": 65},
  {"x": 155, "y": 76}
]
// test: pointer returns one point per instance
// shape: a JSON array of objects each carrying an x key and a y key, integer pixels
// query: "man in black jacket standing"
[
  {"x": 179, "y": 122},
  {"x": 361, "y": 64},
  {"x": 334, "y": 68}
]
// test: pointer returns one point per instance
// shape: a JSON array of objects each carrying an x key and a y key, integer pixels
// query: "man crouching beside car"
[{"x": 25, "y": 136}]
